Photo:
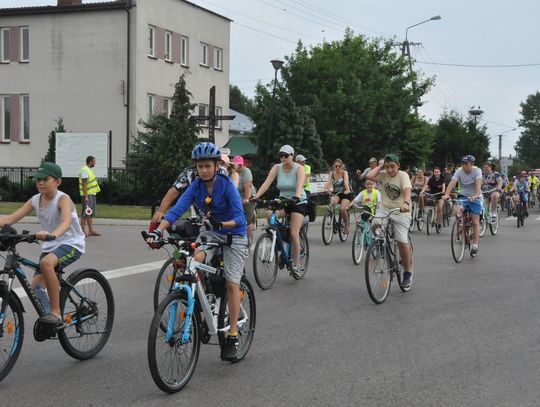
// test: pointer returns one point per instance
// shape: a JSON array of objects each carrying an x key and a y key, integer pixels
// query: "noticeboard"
[{"x": 73, "y": 148}]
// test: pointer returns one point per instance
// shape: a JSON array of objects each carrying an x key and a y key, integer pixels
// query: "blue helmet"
[
  {"x": 468, "y": 158},
  {"x": 205, "y": 151}
]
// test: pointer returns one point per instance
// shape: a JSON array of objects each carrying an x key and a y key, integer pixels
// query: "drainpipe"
[{"x": 128, "y": 74}]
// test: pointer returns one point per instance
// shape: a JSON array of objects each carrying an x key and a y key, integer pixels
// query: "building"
[
  {"x": 104, "y": 66},
  {"x": 240, "y": 130}
]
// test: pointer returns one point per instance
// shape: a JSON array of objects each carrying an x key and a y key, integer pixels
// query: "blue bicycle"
[
  {"x": 363, "y": 235},
  {"x": 86, "y": 303},
  {"x": 273, "y": 248}
]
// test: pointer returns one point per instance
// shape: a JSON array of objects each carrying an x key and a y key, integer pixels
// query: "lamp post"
[
  {"x": 500, "y": 142},
  {"x": 277, "y": 64},
  {"x": 407, "y": 51}
]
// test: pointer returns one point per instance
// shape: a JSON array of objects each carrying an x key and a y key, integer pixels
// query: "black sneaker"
[
  {"x": 407, "y": 280},
  {"x": 229, "y": 352},
  {"x": 526, "y": 214}
]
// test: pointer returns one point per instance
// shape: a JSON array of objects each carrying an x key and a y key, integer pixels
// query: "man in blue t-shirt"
[
  {"x": 216, "y": 196},
  {"x": 470, "y": 178}
]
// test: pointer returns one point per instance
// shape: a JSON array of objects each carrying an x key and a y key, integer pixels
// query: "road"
[{"x": 465, "y": 335}]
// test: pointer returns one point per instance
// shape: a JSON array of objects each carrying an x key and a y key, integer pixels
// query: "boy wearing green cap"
[
  {"x": 396, "y": 193},
  {"x": 58, "y": 217}
]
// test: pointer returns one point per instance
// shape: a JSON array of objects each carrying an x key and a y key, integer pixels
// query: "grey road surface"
[{"x": 465, "y": 335}]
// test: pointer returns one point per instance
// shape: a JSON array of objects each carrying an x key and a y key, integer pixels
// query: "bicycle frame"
[{"x": 277, "y": 241}]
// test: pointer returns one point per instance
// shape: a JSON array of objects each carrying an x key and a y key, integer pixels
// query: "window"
[
  {"x": 184, "y": 51},
  {"x": 24, "y": 110},
  {"x": 6, "y": 118},
  {"x": 203, "y": 111},
  {"x": 218, "y": 58},
  {"x": 25, "y": 45},
  {"x": 203, "y": 54},
  {"x": 218, "y": 113},
  {"x": 151, "y": 40},
  {"x": 151, "y": 105},
  {"x": 168, "y": 46},
  {"x": 167, "y": 107},
  {"x": 4, "y": 44}
]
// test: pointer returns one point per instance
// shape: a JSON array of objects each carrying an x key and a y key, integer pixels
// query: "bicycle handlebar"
[{"x": 15, "y": 238}]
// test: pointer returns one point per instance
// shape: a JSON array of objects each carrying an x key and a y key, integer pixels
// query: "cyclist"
[
  {"x": 300, "y": 159},
  {"x": 470, "y": 178},
  {"x": 533, "y": 183},
  {"x": 396, "y": 193},
  {"x": 492, "y": 179},
  {"x": 290, "y": 182},
  {"x": 372, "y": 164},
  {"x": 223, "y": 208},
  {"x": 246, "y": 189},
  {"x": 231, "y": 169},
  {"x": 369, "y": 197},
  {"x": 338, "y": 182},
  {"x": 521, "y": 188},
  {"x": 58, "y": 217},
  {"x": 436, "y": 185},
  {"x": 419, "y": 182}
]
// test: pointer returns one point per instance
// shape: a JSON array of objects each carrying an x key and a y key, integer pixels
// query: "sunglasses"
[
  {"x": 283, "y": 155},
  {"x": 337, "y": 165}
]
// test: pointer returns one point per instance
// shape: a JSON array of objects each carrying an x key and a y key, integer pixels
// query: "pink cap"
[
  {"x": 238, "y": 160},
  {"x": 225, "y": 158}
]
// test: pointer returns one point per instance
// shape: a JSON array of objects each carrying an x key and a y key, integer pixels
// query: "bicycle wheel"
[
  {"x": 165, "y": 280},
  {"x": 248, "y": 313},
  {"x": 483, "y": 223},
  {"x": 378, "y": 272},
  {"x": 358, "y": 245},
  {"x": 419, "y": 221},
  {"x": 342, "y": 235},
  {"x": 263, "y": 270},
  {"x": 494, "y": 226},
  {"x": 11, "y": 336},
  {"x": 519, "y": 210},
  {"x": 328, "y": 227},
  {"x": 457, "y": 241},
  {"x": 413, "y": 217},
  {"x": 304, "y": 256},
  {"x": 171, "y": 361},
  {"x": 88, "y": 309},
  {"x": 429, "y": 220},
  {"x": 400, "y": 269},
  {"x": 447, "y": 214}
]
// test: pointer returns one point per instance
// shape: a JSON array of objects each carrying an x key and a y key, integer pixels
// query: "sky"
[{"x": 481, "y": 32}]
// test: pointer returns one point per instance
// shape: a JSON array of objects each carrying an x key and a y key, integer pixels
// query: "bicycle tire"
[
  {"x": 83, "y": 304},
  {"x": 358, "y": 246},
  {"x": 413, "y": 218},
  {"x": 419, "y": 222},
  {"x": 173, "y": 348},
  {"x": 378, "y": 272},
  {"x": 13, "y": 332},
  {"x": 518, "y": 214},
  {"x": 245, "y": 334},
  {"x": 328, "y": 227},
  {"x": 264, "y": 273},
  {"x": 447, "y": 214},
  {"x": 164, "y": 281},
  {"x": 400, "y": 270},
  {"x": 304, "y": 256},
  {"x": 483, "y": 223},
  {"x": 429, "y": 220},
  {"x": 457, "y": 241},
  {"x": 342, "y": 235},
  {"x": 494, "y": 227}
]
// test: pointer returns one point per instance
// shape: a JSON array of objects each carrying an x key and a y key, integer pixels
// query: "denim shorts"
[
  {"x": 66, "y": 255},
  {"x": 474, "y": 207}
]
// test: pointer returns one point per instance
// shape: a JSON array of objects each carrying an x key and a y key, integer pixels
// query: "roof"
[
  {"x": 205, "y": 9},
  {"x": 241, "y": 145},
  {"x": 241, "y": 123},
  {"x": 108, "y": 5}
]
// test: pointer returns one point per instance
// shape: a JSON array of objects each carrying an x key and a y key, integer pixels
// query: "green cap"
[
  {"x": 391, "y": 158},
  {"x": 46, "y": 169}
]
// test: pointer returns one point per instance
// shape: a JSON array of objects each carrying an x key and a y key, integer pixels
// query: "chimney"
[{"x": 69, "y": 3}]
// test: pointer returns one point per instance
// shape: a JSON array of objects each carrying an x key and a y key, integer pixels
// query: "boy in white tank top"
[{"x": 58, "y": 217}]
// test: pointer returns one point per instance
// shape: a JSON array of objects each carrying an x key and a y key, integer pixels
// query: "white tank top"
[{"x": 50, "y": 218}]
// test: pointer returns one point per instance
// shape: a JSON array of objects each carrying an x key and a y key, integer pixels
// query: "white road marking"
[{"x": 117, "y": 273}]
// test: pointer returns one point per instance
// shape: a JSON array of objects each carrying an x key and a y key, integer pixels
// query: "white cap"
[
  {"x": 300, "y": 157},
  {"x": 287, "y": 149}
]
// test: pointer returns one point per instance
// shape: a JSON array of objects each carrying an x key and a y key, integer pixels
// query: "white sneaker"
[{"x": 493, "y": 219}]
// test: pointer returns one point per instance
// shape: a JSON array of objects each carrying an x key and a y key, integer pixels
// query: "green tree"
[
  {"x": 164, "y": 147},
  {"x": 360, "y": 96},
  {"x": 50, "y": 156},
  {"x": 240, "y": 102},
  {"x": 528, "y": 144}
]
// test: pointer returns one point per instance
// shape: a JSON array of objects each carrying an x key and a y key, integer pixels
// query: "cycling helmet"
[
  {"x": 468, "y": 158},
  {"x": 206, "y": 151}
]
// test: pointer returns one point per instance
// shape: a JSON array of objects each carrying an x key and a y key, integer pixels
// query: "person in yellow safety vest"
[
  {"x": 88, "y": 188},
  {"x": 369, "y": 197},
  {"x": 300, "y": 159}
]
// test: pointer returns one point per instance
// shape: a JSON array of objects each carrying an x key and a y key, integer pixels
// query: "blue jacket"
[{"x": 226, "y": 204}]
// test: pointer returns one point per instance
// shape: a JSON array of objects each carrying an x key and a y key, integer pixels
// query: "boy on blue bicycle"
[{"x": 222, "y": 205}]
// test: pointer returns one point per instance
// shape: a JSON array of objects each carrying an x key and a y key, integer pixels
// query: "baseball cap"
[
  {"x": 391, "y": 158},
  {"x": 287, "y": 149},
  {"x": 372, "y": 160},
  {"x": 300, "y": 157},
  {"x": 238, "y": 160},
  {"x": 225, "y": 158},
  {"x": 48, "y": 168}
]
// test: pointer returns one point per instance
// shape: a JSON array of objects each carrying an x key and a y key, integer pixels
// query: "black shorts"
[
  {"x": 300, "y": 208},
  {"x": 343, "y": 195}
]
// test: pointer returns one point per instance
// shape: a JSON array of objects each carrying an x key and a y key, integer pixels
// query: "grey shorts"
[
  {"x": 234, "y": 258},
  {"x": 91, "y": 204},
  {"x": 401, "y": 224}
]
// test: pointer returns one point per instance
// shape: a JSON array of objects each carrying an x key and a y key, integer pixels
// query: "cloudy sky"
[{"x": 487, "y": 33}]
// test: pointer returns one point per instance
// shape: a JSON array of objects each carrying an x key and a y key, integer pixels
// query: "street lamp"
[
  {"x": 277, "y": 64},
  {"x": 407, "y": 51},
  {"x": 500, "y": 142}
]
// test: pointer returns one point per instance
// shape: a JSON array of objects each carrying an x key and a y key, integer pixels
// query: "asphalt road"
[{"x": 465, "y": 335}]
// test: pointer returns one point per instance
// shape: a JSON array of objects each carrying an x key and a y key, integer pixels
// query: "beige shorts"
[{"x": 401, "y": 223}]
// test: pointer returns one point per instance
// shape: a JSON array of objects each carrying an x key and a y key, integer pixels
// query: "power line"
[
  {"x": 266, "y": 33},
  {"x": 478, "y": 66}
]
